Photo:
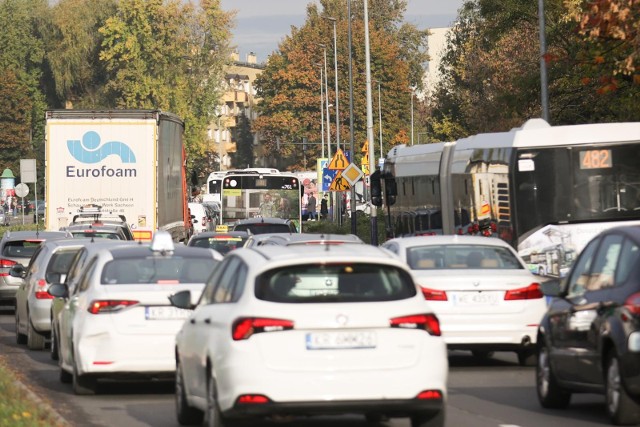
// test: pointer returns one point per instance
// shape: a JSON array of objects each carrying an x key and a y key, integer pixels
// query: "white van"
[{"x": 202, "y": 217}]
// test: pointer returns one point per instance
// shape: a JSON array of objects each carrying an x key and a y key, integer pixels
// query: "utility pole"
[
  {"x": 354, "y": 223},
  {"x": 372, "y": 152}
]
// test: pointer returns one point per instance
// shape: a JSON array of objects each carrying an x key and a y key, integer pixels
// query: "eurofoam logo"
[{"x": 89, "y": 151}]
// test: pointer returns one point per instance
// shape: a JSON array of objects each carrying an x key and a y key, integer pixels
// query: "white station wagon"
[
  {"x": 307, "y": 330},
  {"x": 118, "y": 322}
]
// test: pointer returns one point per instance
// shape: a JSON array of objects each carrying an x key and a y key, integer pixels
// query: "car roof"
[
  {"x": 34, "y": 234},
  {"x": 259, "y": 220},
  {"x": 237, "y": 233},
  {"x": 447, "y": 240},
  {"x": 145, "y": 250},
  {"x": 267, "y": 257},
  {"x": 309, "y": 238},
  {"x": 68, "y": 242}
]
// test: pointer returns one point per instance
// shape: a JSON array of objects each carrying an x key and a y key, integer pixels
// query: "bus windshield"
[
  {"x": 603, "y": 184},
  {"x": 254, "y": 195}
]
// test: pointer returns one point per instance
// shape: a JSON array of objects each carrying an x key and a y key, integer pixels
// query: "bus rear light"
[
  {"x": 434, "y": 294},
  {"x": 426, "y": 322},
  {"x": 252, "y": 399},
  {"x": 429, "y": 395},
  {"x": 43, "y": 295},
  {"x": 244, "y": 327},
  {"x": 109, "y": 306},
  {"x": 530, "y": 292}
]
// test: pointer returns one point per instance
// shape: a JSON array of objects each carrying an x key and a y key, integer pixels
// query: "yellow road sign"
[
  {"x": 365, "y": 159},
  {"x": 339, "y": 183},
  {"x": 339, "y": 161},
  {"x": 352, "y": 174},
  {"x": 365, "y": 146}
]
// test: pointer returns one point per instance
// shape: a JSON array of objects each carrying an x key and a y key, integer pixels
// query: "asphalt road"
[{"x": 491, "y": 393}]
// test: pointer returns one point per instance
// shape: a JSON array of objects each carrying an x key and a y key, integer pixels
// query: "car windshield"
[
  {"x": 320, "y": 283},
  {"x": 263, "y": 228},
  {"x": 436, "y": 257},
  {"x": 152, "y": 270}
]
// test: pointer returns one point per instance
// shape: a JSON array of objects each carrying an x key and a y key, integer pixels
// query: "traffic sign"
[
  {"x": 365, "y": 146},
  {"x": 339, "y": 183},
  {"x": 339, "y": 161},
  {"x": 22, "y": 190},
  {"x": 352, "y": 174},
  {"x": 365, "y": 159}
]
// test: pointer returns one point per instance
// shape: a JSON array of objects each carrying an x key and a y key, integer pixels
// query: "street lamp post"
[
  {"x": 337, "y": 211},
  {"x": 544, "y": 94},
  {"x": 219, "y": 143},
  {"x": 380, "y": 117},
  {"x": 321, "y": 110},
  {"x": 412, "y": 92},
  {"x": 326, "y": 96}
]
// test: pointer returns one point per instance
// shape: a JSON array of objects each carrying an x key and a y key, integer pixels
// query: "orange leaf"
[{"x": 598, "y": 59}]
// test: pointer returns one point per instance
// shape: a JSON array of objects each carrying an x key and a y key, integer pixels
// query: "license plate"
[
  {"x": 340, "y": 340},
  {"x": 166, "y": 313},
  {"x": 476, "y": 298}
]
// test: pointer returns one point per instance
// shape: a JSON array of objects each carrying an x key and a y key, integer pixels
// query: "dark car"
[
  {"x": 589, "y": 339},
  {"x": 261, "y": 225}
]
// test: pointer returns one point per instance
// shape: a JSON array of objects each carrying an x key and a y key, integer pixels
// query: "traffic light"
[
  {"x": 376, "y": 188},
  {"x": 391, "y": 190}
]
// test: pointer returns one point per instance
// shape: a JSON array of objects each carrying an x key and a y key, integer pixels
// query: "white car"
[
  {"x": 306, "y": 330},
  {"x": 49, "y": 264},
  {"x": 481, "y": 290},
  {"x": 118, "y": 322},
  {"x": 202, "y": 217}
]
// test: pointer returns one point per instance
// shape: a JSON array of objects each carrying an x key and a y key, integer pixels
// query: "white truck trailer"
[{"x": 126, "y": 162}]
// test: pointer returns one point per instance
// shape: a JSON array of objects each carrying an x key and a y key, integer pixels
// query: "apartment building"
[{"x": 239, "y": 101}]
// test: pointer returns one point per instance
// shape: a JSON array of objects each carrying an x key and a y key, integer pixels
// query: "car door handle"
[{"x": 207, "y": 321}]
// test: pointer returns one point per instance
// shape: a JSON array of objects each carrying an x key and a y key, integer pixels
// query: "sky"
[{"x": 261, "y": 24}]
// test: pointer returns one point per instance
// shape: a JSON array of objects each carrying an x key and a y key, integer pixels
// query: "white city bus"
[{"x": 518, "y": 185}]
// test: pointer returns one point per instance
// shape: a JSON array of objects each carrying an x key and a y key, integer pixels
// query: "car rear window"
[
  {"x": 20, "y": 248},
  {"x": 222, "y": 244},
  {"x": 260, "y": 228},
  {"x": 169, "y": 271},
  {"x": 317, "y": 283},
  {"x": 438, "y": 257},
  {"x": 98, "y": 234}
]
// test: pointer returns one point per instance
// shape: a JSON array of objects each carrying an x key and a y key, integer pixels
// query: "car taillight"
[
  {"x": 244, "y": 327},
  {"x": 109, "y": 306},
  {"x": 6, "y": 263},
  {"x": 434, "y": 294},
  {"x": 632, "y": 303},
  {"x": 426, "y": 322},
  {"x": 530, "y": 292},
  {"x": 429, "y": 395},
  {"x": 252, "y": 399}
]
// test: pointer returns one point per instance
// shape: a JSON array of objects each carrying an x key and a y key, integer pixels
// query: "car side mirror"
[
  {"x": 58, "y": 290},
  {"x": 182, "y": 299},
  {"x": 18, "y": 271},
  {"x": 554, "y": 288}
]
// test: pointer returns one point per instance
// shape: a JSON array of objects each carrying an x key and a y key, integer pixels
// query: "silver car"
[
  {"x": 50, "y": 264},
  {"x": 17, "y": 247}
]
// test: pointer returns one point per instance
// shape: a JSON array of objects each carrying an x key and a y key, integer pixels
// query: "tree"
[
  {"x": 73, "y": 43},
  {"x": 290, "y": 84},
  {"x": 21, "y": 100},
  {"x": 168, "y": 55}
]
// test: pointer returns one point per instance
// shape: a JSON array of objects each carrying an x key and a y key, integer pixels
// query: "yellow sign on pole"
[
  {"x": 339, "y": 183},
  {"x": 339, "y": 161},
  {"x": 365, "y": 159},
  {"x": 365, "y": 146}
]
